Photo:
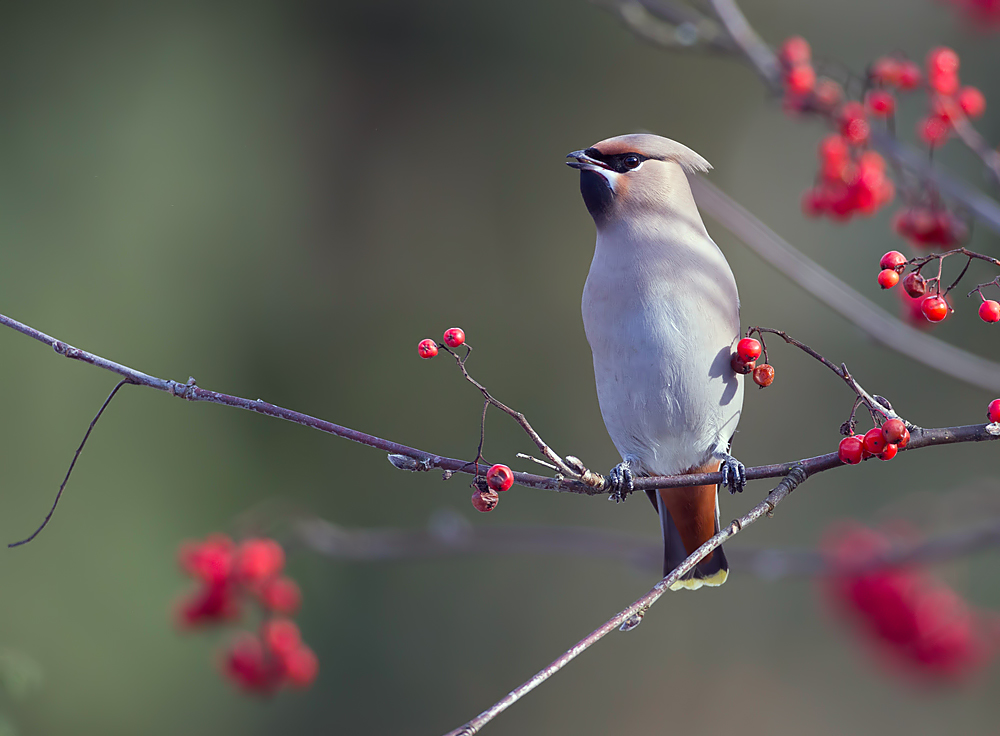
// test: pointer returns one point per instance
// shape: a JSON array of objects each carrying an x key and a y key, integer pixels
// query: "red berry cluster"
[
  {"x": 930, "y": 225},
  {"x": 229, "y": 575},
  {"x": 881, "y": 442},
  {"x": 744, "y": 361},
  {"x": 913, "y": 621},
  {"x": 851, "y": 180},
  {"x": 453, "y": 338},
  {"x": 499, "y": 478}
]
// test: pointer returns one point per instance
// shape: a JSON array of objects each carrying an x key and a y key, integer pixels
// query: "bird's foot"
[
  {"x": 734, "y": 473},
  {"x": 620, "y": 481}
]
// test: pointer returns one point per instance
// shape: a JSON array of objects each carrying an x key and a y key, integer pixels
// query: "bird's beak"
[{"x": 585, "y": 162}]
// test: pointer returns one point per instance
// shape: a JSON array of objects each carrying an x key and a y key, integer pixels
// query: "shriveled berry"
[
  {"x": 880, "y": 103},
  {"x": 993, "y": 411},
  {"x": 454, "y": 337},
  {"x": 427, "y": 348},
  {"x": 893, "y": 430},
  {"x": 874, "y": 441},
  {"x": 763, "y": 375},
  {"x": 740, "y": 366},
  {"x": 889, "y": 452},
  {"x": 915, "y": 285},
  {"x": 500, "y": 478},
  {"x": 971, "y": 101},
  {"x": 893, "y": 259},
  {"x": 748, "y": 349},
  {"x": 850, "y": 450},
  {"x": 485, "y": 501},
  {"x": 989, "y": 311},
  {"x": 934, "y": 308},
  {"x": 887, "y": 278}
]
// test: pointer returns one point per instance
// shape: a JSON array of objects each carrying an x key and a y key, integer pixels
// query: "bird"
[{"x": 661, "y": 313}]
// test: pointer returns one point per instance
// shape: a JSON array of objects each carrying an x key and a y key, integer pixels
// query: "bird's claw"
[
  {"x": 620, "y": 481},
  {"x": 734, "y": 474}
]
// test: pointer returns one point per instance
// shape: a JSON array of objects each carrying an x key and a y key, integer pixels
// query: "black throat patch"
[{"x": 597, "y": 194}]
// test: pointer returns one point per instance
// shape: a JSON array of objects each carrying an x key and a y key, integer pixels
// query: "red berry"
[
  {"x": 893, "y": 430},
  {"x": 208, "y": 605},
  {"x": 827, "y": 94},
  {"x": 886, "y": 70},
  {"x": 993, "y": 411},
  {"x": 972, "y": 102},
  {"x": 281, "y": 595},
  {"x": 259, "y": 559},
  {"x": 874, "y": 441},
  {"x": 893, "y": 259},
  {"x": 763, "y": 375},
  {"x": 942, "y": 60},
  {"x": 500, "y": 478},
  {"x": 210, "y": 560},
  {"x": 795, "y": 50},
  {"x": 934, "y": 308},
  {"x": 245, "y": 664},
  {"x": 989, "y": 311},
  {"x": 933, "y": 130},
  {"x": 801, "y": 79},
  {"x": 904, "y": 440},
  {"x": 301, "y": 666},
  {"x": 281, "y": 636},
  {"x": 888, "y": 278},
  {"x": 427, "y": 348},
  {"x": 880, "y": 103},
  {"x": 909, "y": 75},
  {"x": 748, "y": 349},
  {"x": 915, "y": 285},
  {"x": 889, "y": 452},
  {"x": 485, "y": 501},
  {"x": 850, "y": 450},
  {"x": 453, "y": 337},
  {"x": 945, "y": 84}
]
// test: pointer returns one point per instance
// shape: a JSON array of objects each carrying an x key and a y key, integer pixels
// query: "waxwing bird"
[{"x": 662, "y": 316}]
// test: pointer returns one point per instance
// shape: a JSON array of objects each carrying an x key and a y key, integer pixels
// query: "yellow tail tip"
[{"x": 714, "y": 580}]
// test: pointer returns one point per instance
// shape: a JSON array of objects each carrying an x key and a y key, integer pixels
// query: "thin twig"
[
  {"x": 633, "y": 615},
  {"x": 72, "y": 465}
]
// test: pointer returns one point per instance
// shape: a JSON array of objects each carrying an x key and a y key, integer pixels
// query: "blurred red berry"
[
  {"x": 813, "y": 203},
  {"x": 795, "y": 50},
  {"x": 942, "y": 60},
  {"x": 933, "y": 130},
  {"x": 748, "y": 349},
  {"x": 246, "y": 664},
  {"x": 850, "y": 450},
  {"x": 893, "y": 430},
  {"x": 915, "y": 285},
  {"x": 301, "y": 666},
  {"x": 893, "y": 259},
  {"x": 909, "y": 75},
  {"x": 500, "y": 478},
  {"x": 453, "y": 337},
  {"x": 209, "y": 604},
  {"x": 989, "y": 311},
  {"x": 827, "y": 94},
  {"x": 972, "y": 102},
  {"x": 210, "y": 560},
  {"x": 880, "y": 103},
  {"x": 281, "y": 595},
  {"x": 993, "y": 411},
  {"x": 801, "y": 79},
  {"x": 427, "y": 348},
  {"x": 934, "y": 308},
  {"x": 259, "y": 559},
  {"x": 485, "y": 501},
  {"x": 885, "y": 70},
  {"x": 281, "y": 636},
  {"x": 874, "y": 441}
]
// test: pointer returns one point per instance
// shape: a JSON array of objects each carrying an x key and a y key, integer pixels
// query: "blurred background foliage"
[{"x": 281, "y": 198}]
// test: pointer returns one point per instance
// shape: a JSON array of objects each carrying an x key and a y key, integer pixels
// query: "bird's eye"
[{"x": 632, "y": 161}]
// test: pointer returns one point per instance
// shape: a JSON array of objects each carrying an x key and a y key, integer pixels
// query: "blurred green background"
[{"x": 281, "y": 199}]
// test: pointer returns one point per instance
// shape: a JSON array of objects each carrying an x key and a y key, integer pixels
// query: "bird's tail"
[{"x": 689, "y": 517}]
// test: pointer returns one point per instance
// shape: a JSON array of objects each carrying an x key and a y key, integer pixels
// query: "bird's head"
[{"x": 630, "y": 175}]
